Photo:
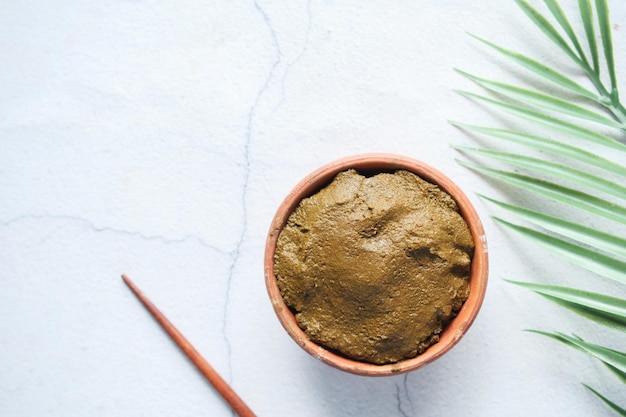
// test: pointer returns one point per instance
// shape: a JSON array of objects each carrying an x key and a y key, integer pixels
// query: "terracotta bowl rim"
[{"x": 375, "y": 162}]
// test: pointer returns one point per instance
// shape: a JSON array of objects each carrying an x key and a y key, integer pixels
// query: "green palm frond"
[
  {"x": 551, "y": 122},
  {"x": 603, "y": 309},
  {"x": 582, "y": 256},
  {"x": 556, "y": 170},
  {"x": 544, "y": 101},
  {"x": 605, "y": 30},
  {"x": 546, "y": 145},
  {"x": 621, "y": 375},
  {"x": 563, "y": 165},
  {"x": 549, "y": 30},
  {"x": 586, "y": 13},
  {"x": 588, "y": 236},
  {"x": 572, "y": 197},
  {"x": 619, "y": 410},
  {"x": 544, "y": 71},
  {"x": 610, "y": 357}
]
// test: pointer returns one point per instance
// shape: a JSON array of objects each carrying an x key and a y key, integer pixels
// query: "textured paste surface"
[{"x": 375, "y": 267}]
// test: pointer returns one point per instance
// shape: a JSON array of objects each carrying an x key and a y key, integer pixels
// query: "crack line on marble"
[
  {"x": 235, "y": 254},
  {"x": 291, "y": 64},
  {"x": 100, "y": 229},
  {"x": 405, "y": 395}
]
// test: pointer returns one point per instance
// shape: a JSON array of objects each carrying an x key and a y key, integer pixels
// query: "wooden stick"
[{"x": 222, "y": 387}]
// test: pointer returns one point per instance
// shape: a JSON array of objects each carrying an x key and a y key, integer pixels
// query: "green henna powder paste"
[{"x": 374, "y": 268}]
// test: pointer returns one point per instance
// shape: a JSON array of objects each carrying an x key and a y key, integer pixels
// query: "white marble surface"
[{"x": 158, "y": 138}]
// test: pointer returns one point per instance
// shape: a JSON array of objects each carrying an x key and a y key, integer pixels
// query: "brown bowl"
[{"x": 372, "y": 163}]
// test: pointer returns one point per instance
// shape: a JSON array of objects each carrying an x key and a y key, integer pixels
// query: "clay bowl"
[{"x": 372, "y": 163}]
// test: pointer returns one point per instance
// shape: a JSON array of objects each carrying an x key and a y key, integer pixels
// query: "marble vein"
[
  {"x": 236, "y": 253},
  {"x": 403, "y": 399},
  {"x": 102, "y": 229},
  {"x": 298, "y": 57}
]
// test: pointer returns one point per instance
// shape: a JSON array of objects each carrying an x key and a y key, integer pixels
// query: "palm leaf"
[
  {"x": 549, "y": 30},
  {"x": 586, "y": 13},
  {"x": 573, "y": 230},
  {"x": 619, "y": 410},
  {"x": 611, "y": 99},
  {"x": 548, "y": 121},
  {"x": 556, "y": 192},
  {"x": 543, "y": 71},
  {"x": 609, "y": 311},
  {"x": 621, "y": 375},
  {"x": 550, "y": 168},
  {"x": 584, "y": 257},
  {"x": 605, "y": 31},
  {"x": 542, "y": 100},
  {"x": 594, "y": 250},
  {"x": 560, "y": 17},
  {"x": 547, "y": 145},
  {"x": 610, "y": 357}
]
